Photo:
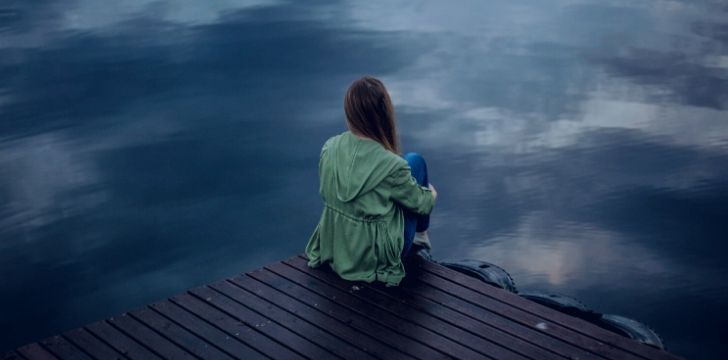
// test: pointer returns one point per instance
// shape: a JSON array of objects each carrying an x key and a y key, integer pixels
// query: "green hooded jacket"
[{"x": 361, "y": 231}]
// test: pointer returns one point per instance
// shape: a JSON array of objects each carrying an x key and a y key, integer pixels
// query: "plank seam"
[
  {"x": 314, "y": 324},
  {"x": 47, "y": 348},
  {"x": 303, "y": 336},
  {"x": 611, "y": 339},
  {"x": 318, "y": 310},
  {"x": 334, "y": 286},
  {"x": 182, "y": 347},
  {"x": 78, "y": 347},
  {"x": 191, "y": 331},
  {"x": 354, "y": 309},
  {"x": 105, "y": 342},
  {"x": 207, "y": 321},
  {"x": 363, "y": 318},
  {"x": 392, "y": 298},
  {"x": 20, "y": 355},
  {"x": 510, "y": 333},
  {"x": 252, "y": 327},
  {"x": 567, "y": 329},
  {"x": 461, "y": 343},
  {"x": 468, "y": 316},
  {"x": 106, "y": 323},
  {"x": 135, "y": 339}
]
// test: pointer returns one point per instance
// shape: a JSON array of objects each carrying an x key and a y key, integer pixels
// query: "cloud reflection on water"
[{"x": 565, "y": 137}]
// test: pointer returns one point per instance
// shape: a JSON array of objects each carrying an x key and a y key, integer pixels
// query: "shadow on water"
[{"x": 148, "y": 147}]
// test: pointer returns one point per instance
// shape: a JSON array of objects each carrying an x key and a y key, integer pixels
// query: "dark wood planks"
[
  {"x": 569, "y": 343},
  {"x": 264, "y": 324},
  {"x": 531, "y": 327},
  {"x": 178, "y": 335},
  {"x": 445, "y": 307},
  {"x": 351, "y": 317},
  {"x": 35, "y": 352},
  {"x": 234, "y": 327},
  {"x": 10, "y": 355},
  {"x": 289, "y": 311},
  {"x": 304, "y": 329},
  {"x": 576, "y": 325},
  {"x": 119, "y": 341},
  {"x": 149, "y": 338},
  {"x": 61, "y": 348},
  {"x": 85, "y": 341},
  {"x": 475, "y": 325},
  {"x": 457, "y": 342},
  {"x": 364, "y": 342},
  {"x": 229, "y": 343}
]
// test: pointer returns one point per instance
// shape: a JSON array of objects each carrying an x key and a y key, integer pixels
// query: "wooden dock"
[{"x": 288, "y": 311}]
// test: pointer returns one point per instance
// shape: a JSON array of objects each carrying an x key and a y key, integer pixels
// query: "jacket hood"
[{"x": 359, "y": 164}]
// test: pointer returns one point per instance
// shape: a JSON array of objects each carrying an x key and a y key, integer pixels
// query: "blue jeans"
[{"x": 414, "y": 222}]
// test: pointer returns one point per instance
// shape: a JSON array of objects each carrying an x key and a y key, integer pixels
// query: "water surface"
[{"x": 147, "y": 147}]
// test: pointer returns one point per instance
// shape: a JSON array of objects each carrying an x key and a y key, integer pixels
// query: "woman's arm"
[{"x": 405, "y": 190}]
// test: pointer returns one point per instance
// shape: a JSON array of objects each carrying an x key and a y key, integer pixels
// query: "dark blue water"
[{"x": 147, "y": 147}]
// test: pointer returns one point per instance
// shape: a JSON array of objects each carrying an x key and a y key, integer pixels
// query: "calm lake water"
[{"x": 147, "y": 147}]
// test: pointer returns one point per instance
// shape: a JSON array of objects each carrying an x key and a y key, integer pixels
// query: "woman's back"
[
  {"x": 351, "y": 171},
  {"x": 364, "y": 187}
]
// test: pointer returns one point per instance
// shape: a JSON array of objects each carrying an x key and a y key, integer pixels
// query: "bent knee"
[{"x": 414, "y": 158}]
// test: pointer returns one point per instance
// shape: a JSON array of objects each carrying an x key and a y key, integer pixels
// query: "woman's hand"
[{"x": 434, "y": 192}]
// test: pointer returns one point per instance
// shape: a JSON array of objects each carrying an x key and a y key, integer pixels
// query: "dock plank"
[
  {"x": 473, "y": 323},
  {"x": 482, "y": 324},
  {"x": 287, "y": 310},
  {"x": 348, "y": 316},
  {"x": 149, "y": 338},
  {"x": 572, "y": 323},
  {"x": 119, "y": 341},
  {"x": 12, "y": 355},
  {"x": 178, "y": 335},
  {"x": 527, "y": 320},
  {"x": 63, "y": 349},
  {"x": 263, "y": 324},
  {"x": 294, "y": 323},
  {"x": 91, "y": 345},
  {"x": 236, "y": 328},
  {"x": 34, "y": 352},
  {"x": 327, "y": 323},
  {"x": 367, "y": 309},
  {"x": 230, "y": 344},
  {"x": 457, "y": 342}
]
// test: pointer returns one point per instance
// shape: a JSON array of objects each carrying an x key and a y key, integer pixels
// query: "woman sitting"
[{"x": 376, "y": 202}]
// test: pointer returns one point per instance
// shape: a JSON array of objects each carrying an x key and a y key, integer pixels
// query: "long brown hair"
[{"x": 369, "y": 112}]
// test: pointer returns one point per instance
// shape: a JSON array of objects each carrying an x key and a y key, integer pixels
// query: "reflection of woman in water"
[{"x": 376, "y": 202}]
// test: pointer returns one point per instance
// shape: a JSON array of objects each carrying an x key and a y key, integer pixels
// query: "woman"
[{"x": 376, "y": 202}]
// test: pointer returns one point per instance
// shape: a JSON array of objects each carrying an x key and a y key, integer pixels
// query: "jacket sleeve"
[{"x": 405, "y": 191}]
